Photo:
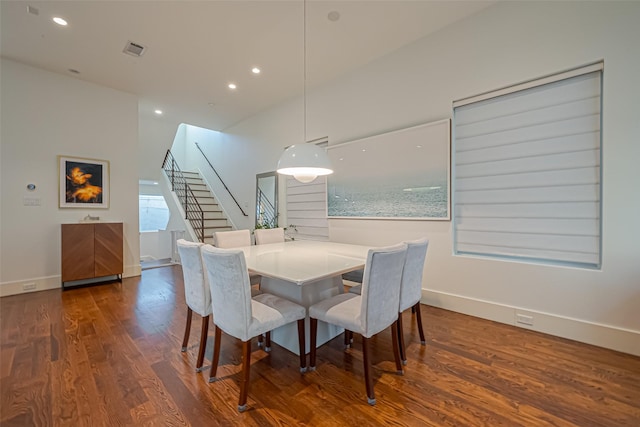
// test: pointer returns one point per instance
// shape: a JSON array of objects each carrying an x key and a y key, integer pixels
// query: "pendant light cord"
[{"x": 304, "y": 67}]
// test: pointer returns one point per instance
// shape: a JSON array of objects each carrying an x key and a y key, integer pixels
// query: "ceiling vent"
[{"x": 134, "y": 49}]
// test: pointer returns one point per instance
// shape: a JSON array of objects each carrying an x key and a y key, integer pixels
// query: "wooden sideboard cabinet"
[{"x": 91, "y": 250}]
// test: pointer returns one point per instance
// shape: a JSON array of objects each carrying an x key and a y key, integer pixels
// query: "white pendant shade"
[{"x": 305, "y": 162}]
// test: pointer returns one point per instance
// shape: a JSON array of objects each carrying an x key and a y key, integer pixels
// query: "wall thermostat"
[{"x": 31, "y": 187}]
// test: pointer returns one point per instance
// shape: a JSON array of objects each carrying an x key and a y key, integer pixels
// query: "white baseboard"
[
  {"x": 25, "y": 286},
  {"x": 50, "y": 282},
  {"x": 132, "y": 270},
  {"x": 619, "y": 339}
]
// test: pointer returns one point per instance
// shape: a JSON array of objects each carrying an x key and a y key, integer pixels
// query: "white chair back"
[
  {"x": 381, "y": 288},
  {"x": 269, "y": 235},
  {"x": 230, "y": 290},
  {"x": 196, "y": 286},
  {"x": 411, "y": 288},
  {"x": 231, "y": 239}
]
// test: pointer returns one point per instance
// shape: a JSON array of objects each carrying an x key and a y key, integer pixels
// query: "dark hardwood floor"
[{"x": 109, "y": 355}]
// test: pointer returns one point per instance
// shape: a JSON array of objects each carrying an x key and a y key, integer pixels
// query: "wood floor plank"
[{"x": 109, "y": 355}]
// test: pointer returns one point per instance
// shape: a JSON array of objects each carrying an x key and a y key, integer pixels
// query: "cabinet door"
[
  {"x": 77, "y": 252},
  {"x": 108, "y": 249}
]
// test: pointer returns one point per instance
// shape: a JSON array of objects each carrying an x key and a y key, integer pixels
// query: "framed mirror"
[{"x": 267, "y": 200}]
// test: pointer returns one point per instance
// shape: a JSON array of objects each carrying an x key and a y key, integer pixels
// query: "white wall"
[
  {"x": 505, "y": 44},
  {"x": 155, "y": 137},
  {"x": 45, "y": 115}
]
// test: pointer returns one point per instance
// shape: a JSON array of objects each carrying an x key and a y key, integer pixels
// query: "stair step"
[
  {"x": 211, "y": 223},
  {"x": 205, "y": 194},
  {"x": 196, "y": 218},
  {"x": 213, "y": 215},
  {"x": 222, "y": 222},
  {"x": 208, "y": 232},
  {"x": 198, "y": 187},
  {"x": 214, "y": 218},
  {"x": 216, "y": 228},
  {"x": 206, "y": 205}
]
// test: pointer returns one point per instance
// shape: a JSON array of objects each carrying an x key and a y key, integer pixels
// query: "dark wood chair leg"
[
  {"x": 371, "y": 398},
  {"x": 419, "y": 319},
  {"x": 403, "y": 351},
  {"x": 267, "y": 342},
  {"x": 203, "y": 343},
  {"x": 260, "y": 340},
  {"x": 301, "y": 346},
  {"x": 313, "y": 329},
  {"x": 216, "y": 354},
  {"x": 246, "y": 371},
  {"x": 348, "y": 339},
  {"x": 396, "y": 347},
  {"x": 187, "y": 329},
  {"x": 413, "y": 310}
]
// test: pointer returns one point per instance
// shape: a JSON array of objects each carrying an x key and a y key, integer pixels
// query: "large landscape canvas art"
[{"x": 404, "y": 174}]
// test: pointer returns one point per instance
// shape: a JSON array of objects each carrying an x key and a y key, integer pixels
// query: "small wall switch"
[
  {"x": 524, "y": 319},
  {"x": 31, "y": 201},
  {"x": 28, "y": 286}
]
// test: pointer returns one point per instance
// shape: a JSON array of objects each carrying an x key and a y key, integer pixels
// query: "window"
[
  {"x": 154, "y": 213},
  {"x": 526, "y": 175}
]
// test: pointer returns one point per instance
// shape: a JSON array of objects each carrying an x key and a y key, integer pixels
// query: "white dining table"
[{"x": 304, "y": 272}]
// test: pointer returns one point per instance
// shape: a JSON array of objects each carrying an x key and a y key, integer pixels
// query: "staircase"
[{"x": 214, "y": 218}]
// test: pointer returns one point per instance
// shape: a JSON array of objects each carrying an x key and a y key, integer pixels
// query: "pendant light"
[{"x": 305, "y": 161}]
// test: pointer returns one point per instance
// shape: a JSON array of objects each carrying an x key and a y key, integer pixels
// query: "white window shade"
[{"x": 527, "y": 179}]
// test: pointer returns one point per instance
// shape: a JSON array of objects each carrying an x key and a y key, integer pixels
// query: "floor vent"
[{"x": 134, "y": 49}]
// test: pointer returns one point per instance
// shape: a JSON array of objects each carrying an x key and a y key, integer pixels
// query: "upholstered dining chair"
[
  {"x": 196, "y": 294},
  {"x": 231, "y": 239},
  {"x": 243, "y": 317},
  {"x": 235, "y": 239},
  {"x": 410, "y": 290},
  {"x": 269, "y": 235},
  {"x": 369, "y": 313}
]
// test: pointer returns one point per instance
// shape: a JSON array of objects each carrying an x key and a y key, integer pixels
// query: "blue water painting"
[{"x": 390, "y": 202}]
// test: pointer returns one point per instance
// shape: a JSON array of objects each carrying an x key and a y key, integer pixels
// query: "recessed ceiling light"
[
  {"x": 232, "y": 86},
  {"x": 158, "y": 112},
  {"x": 255, "y": 70},
  {"x": 333, "y": 16},
  {"x": 59, "y": 21},
  {"x": 211, "y": 104}
]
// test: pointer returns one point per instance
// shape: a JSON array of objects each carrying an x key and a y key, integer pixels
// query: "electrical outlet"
[
  {"x": 524, "y": 319},
  {"x": 28, "y": 286}
]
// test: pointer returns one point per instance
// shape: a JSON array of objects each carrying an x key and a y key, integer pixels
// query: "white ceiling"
[{"x": 195, "y": 48}]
